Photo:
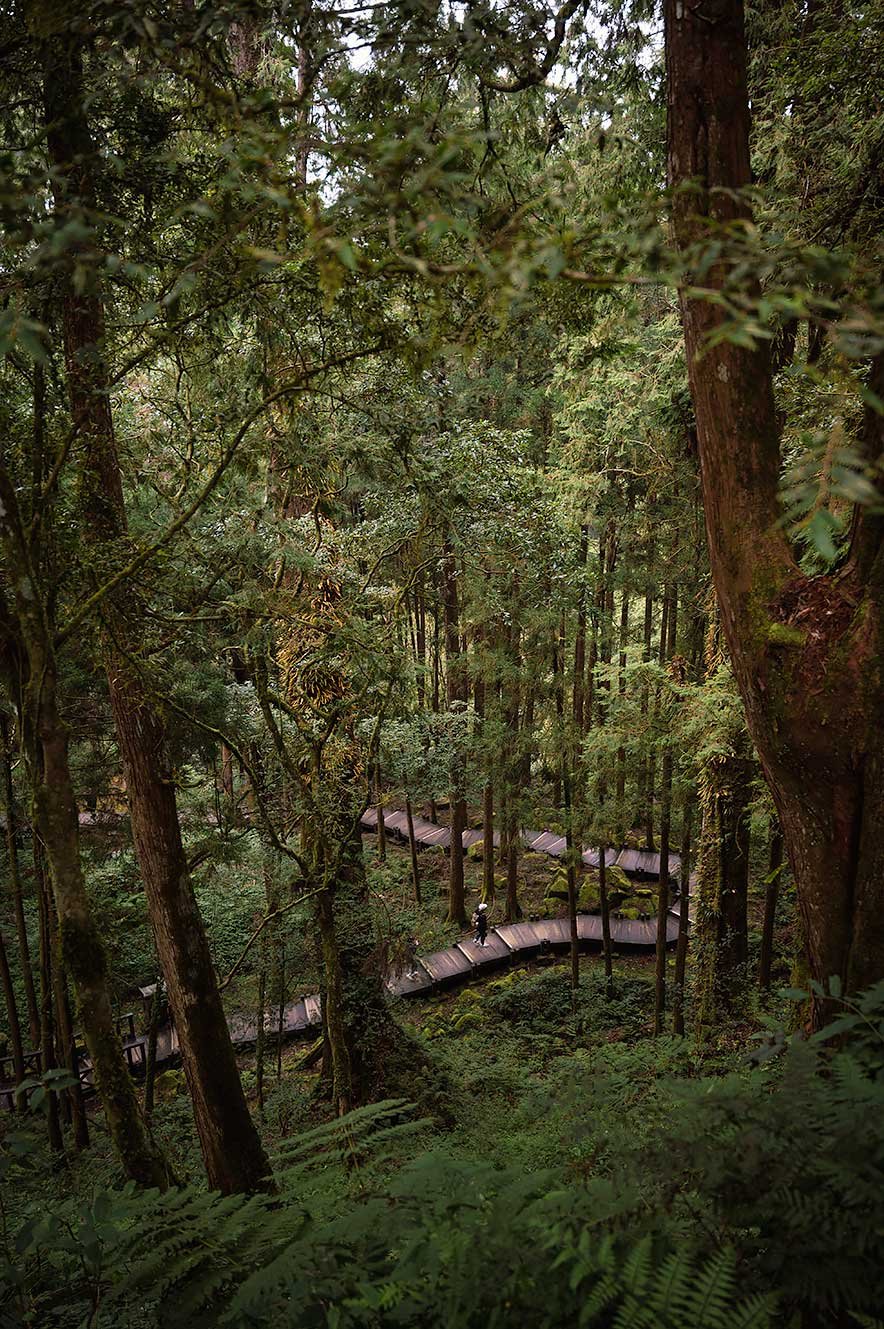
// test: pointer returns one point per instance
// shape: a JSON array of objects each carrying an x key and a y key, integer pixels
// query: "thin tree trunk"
[
  {"x": 18, "y": 1054},
  {"x": 280, "y": 1017},
  {"x": 571, "y": 868},
  {"x": 663, "y": 890},
  {"x": 722, "y": 885},
  {"x": 260, "y": 1031},
  {"x": 580, "y": 634},
  {"x": 771, "y": 896},
  {"x": 488, "y": 889},
  {"x": 684, "y": 922},
  {"x": 48, "y": 1060},
  {"x": 420, "y": 637},
  {"x": 621, "y": 689},
  {"x": 15, "y": 887},
  {"x": 456, "y": 683},
  {"x": 646, "y": 768},
  {"x": 153, "y": 1029},
  {"x": 412, "y": 845},
  {"x": 379, "y": 804},
  {"x": 607, "y": 949},
  {"x": 66, "y": 1040}
]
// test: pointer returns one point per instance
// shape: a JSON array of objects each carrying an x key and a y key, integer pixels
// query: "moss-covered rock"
[{"x": 168, "y": 1086}]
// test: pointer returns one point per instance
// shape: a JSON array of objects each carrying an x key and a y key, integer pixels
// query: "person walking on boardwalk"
[{"x": 480, "y": 923}]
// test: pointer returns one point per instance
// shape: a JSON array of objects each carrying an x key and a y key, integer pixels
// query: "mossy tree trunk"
[
  {"x": 234, "y": 1157},
  {"x": 721, "y": 943},
  {"x": 771, "y": 896},
  {"x": 814, "y": 699},
  {"x": 57, "y": 823},
  {"x": 15, "y": 885},
  {"x": 367, "y": 1051},
  {"x": 457, "y": 695},
  {"x": 13, "y": 1022}
]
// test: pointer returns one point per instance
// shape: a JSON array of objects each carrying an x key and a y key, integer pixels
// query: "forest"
[{"x": 442, "y": 664}]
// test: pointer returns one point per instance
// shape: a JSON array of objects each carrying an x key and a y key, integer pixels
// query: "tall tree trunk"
[
  {"x": 571, "y": 857},
  {"x": 684, "y": 922},
  {"x": 607, "y": 949},
  {"x": 722, "y": 885},
  {"x": 513, "y": 765},
  {"x": 153, "y": 1029},
  {"x": 621, "y": 689},
  {"x": 66, "y": 1041},
  {"x": 663, "y": 889},
  {"x": 646, "y": 768},
  {"x": 456, "y": 684},
  {"x": 56, "y": 824},
  {"x": 412, "y": 846},
  {"x": 420, "y": 639},
  {"x": 15, "y": 887},
  {"x": 488, "y": 844},
  {"x": 48, "y": 1059},
  {"x": 261, "y": 1028},
  {"x": 579, "y": 682},
  {"x": 367, "y": 1050},
  {"x": 379, "y": 805},
  {"x": 234, "y": 1157},
  {"x": 814, "y": 699},
  {"x": 18, "y": 1055},
  {"x": 771, "y": 896}
]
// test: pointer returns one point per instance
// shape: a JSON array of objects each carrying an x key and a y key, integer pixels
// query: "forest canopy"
[{"x": 442, "y": 663}]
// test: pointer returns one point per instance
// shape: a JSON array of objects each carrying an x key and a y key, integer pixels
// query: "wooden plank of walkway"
[
  {"x": 404, "y": 986},
  {"x": 524, "y": 938},
  {"x": 633, "y": 932},
  {"x": 557, "y": 932},
  {"x": 447, "y": 966},
  {"x": 589, "y": 928},
  {"x": 397, "y": 823},
  {"x": 540, "y": 843},
  {"x": 592, "y": 857},
  {"x": 494, "y": 952}
]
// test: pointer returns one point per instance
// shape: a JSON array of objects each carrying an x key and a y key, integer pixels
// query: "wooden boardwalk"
[
  {"x": 510, "y": 943},
  {"x": 639, "y": 863}
]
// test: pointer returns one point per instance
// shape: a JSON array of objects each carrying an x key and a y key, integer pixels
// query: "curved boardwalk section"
[{"x": 507, "y": 944}]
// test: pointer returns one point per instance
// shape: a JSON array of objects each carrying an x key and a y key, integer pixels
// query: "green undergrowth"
[{"x": 621, "y": 1184}]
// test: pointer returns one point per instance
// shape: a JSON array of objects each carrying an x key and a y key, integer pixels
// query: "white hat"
[{"x": 483, "y": 905}]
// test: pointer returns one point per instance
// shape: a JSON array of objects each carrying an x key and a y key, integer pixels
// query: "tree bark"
[
  {"x": 607, "y": 949},
  {"x": 684, "y": 923},
  {"x": 45, "y": 745},
  {"x": 367, "y": 1051},
  {"x": 66, "y": 1040},
  {"x": 814, "y": 699},
  {"x": 234, "y": 1157},
  {"x": 456, "y": 686},
  {"x": 15, "y": 886},
  {"x": 379, "y": 805},
  {"x": 722, "y": 884},
  {"x": 48, "y": 1059},
  {"x": 412, "y": 847},
  {"x": 579, "y": 683},
  {"x": 663, "y": 888},
  {"x": 18, "y": 1052},
  {"x": 771, "y": 896}
]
